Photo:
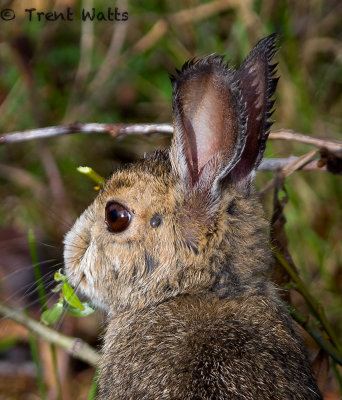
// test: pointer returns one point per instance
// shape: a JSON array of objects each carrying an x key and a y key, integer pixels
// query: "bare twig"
[
  {"x": 115, "y": 130},
  {"x": 288, "y": 134},
  {"x": 274, "y": 164},
  {"x": 128, "y": 129},
  {"x": 76, "y": 347},
  {"x": 299, "y": 163}
]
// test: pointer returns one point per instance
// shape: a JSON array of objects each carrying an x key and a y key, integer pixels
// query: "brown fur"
[
  {"x": 200, "y": 347},
  {"x": 191, "y": 312}
]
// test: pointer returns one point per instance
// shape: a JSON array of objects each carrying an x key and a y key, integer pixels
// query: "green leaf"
[
  {"x": 51, "y": 315},
  {"x": 71, "y": 297},
  {"x": 76, "y": 312},
  {"x": 59, "y": 277},
  {"x": 57, "y": 288}
]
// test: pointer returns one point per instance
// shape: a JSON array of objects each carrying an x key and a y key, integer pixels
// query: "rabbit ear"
[
  {"x": 209, "y": 122},
  {"x": 221, "y": 117},
  {"x": 257, "y": 84}
]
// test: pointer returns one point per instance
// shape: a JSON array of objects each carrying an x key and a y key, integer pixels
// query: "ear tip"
[
  {"x": 198, "y": 65},
  {"x": 271, "y": 40},
  {"x": 267, "y": 47}
]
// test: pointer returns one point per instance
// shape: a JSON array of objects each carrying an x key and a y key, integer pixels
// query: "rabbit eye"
[{"x": 117, "y": 217}]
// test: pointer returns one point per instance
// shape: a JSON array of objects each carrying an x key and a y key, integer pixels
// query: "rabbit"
[{"x": 175, "y": 248}]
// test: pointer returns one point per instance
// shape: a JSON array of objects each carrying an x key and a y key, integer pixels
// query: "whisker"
[
  {"x": 10, "y": 275},
  {"x": 49, "y": 245},
  {"x": 77, "y": 246},
  {"x": 73, "y": 259},
  {"x": 47, "y": 286},
  {"x": 33, "y": 302},
  {"x": 28, "y": 289},
  {"x": 55, "y": 215}
]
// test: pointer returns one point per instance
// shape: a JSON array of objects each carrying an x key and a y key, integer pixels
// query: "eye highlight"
[{"x": 117, "y": 217}]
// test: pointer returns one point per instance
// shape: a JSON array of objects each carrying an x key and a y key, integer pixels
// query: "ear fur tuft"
[{"x": 258, "y": 83}]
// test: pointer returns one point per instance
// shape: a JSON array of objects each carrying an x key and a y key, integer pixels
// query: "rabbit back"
[{"x": 205, "y": 348}]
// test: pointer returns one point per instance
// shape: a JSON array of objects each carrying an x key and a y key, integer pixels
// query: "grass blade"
[
  {"x": 43, "y": 302},
  {"x": 93, "y": 387},
  {"x": 36, "y": 360}
]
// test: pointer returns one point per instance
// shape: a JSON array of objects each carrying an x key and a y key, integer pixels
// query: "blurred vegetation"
[{"x": 59, "y": 72}]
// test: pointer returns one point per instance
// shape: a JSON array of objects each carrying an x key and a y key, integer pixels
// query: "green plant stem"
[
  {"x": 94, "y": 385},
  {"x": 91, "y": 174},
  {"x": 316, "y": 333},
  {"x": 316, "y": 308},
  {"x": 35, "y": 357},
  {"x": 43, "y": 302},
  {"x": 55, "y": 369}
]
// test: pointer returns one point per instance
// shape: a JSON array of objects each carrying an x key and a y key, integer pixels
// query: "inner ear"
[{"x": 207, "y": 119}]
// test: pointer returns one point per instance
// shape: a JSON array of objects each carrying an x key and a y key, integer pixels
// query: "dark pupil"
[
  {"x": 117, "y": 217},
  {"x": 113, "y": 215}
]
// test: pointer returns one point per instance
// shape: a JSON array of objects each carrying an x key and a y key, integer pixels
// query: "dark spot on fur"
[
  {"x": 150, "y": 262},
  {"x": 231, "y": 208},
  {"x": 176, "y": 209},
  {"x": 156, "y": 220},
  {"x": 120, "y": 183},
  {"x": 167, "y": 288},
  {"x": 134, "y": 273},
  {"x": 209, "y": 234},
  {"x": 115, "y": 273},
  {"x": 180, "y": 275},
  {"x": 192, "y": 247},
  {"x": 227, "y": 283}
]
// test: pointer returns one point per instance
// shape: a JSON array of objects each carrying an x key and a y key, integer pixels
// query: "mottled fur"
[
  {"x": 200, "y": 347},
  {"x": 191, "y": 312}
]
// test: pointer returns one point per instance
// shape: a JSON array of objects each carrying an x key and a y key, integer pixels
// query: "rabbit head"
[{"x": 185, "y": 220}]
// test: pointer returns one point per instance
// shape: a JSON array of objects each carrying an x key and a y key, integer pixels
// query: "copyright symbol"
[{"x": 7, "y": 14}]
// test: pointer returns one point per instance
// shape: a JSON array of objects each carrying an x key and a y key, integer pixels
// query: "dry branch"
[
  {"x": 287, "y": 170},
  {"x": 113, "y": 130},
  {"x": 287, "y": 134},
  {"x": 75, "y": 346},
  {"x": 116, "y": 130}
]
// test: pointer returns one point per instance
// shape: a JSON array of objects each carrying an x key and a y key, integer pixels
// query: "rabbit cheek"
[
  {"x": 87, "y": 266},
  {"x": 76, "y": 244}
]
